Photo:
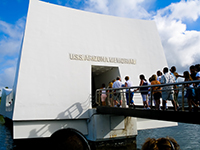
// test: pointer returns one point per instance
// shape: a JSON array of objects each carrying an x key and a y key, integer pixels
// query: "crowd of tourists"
[{"x": 167, "y": 93}]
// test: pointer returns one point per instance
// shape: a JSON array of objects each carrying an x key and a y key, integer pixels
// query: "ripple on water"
[
  {"x": 6, "y": 141},
  {"x": 186, "y": 135}
]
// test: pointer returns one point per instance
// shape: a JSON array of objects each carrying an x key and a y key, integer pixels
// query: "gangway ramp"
[{"x": 174, "y": 116}]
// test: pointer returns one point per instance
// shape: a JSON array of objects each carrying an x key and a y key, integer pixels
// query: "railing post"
[
  {"x": 106, "y": 100},
  {"x": 151, "y": 99},
  {"x": 129, "y": 97},
  {"x": 96, "y": 98},
  {"x": 112, "y": 97},
  {"x": 182, "y": 97},
  {"x": 99, "y": 98}
]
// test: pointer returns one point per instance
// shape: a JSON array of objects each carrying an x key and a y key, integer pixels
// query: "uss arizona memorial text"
[{"x": 101, "y": 59}]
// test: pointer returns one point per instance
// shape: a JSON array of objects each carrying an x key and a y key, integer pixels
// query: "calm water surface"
[
  {"x": 6, "y": 142},
  {"x": 187, "y": 135}
]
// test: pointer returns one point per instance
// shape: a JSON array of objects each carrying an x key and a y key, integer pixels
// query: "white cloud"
[
  {"x": 122, "y": 8},
  {"x": 99, "y": 6},
  {"x": 13, "y": 31},
  {"x": 186, "y": 10},
  {"x": 7, "y": 77},
  {"x": 69, "y": 3},
  {"x": 10, "y": 44},
  {"x": 11, "y": 41},
  {"x": 181, "y": 46}
]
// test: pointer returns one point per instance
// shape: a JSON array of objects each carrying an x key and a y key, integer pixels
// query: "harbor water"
[
  {"x": 187, "y": 135},
  {"x": 6, "y": 141}
]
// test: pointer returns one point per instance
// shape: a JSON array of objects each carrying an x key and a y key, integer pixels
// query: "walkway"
[
  {"x": 183, "y": 115},
  {"x": 176, "y": 116}
]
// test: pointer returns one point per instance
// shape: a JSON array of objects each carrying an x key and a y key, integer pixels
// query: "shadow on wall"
[
  {"x": 77, "y": 110},
  {"x": 72, "y": 112}
]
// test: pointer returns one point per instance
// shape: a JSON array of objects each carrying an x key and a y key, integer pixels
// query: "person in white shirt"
[
  {"x": 176, "y": 76},
  {"x": 129, "y": 84},
  {"x": 168, "y": 92},
  {"x": 117, "y": 93}
]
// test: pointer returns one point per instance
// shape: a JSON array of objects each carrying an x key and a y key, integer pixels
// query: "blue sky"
[{"x": 178, "y": 23}]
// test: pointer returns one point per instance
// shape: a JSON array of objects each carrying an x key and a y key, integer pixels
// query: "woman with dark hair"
[
  {"x": 190, "y": 92},
  {"x": 128, "y": 83},
  {"x": 144, "y": 91}
]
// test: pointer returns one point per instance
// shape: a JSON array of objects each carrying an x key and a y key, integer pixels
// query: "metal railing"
[{"x": 179, "y": 86}]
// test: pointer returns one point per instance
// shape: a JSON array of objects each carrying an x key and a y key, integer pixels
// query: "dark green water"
[
  {"x": 6, "y": 141},
  {"x": 187, "y": 135}
]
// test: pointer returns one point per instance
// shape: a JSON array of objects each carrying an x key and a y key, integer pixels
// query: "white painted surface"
[
  {"x": 38, "y": 129},
  {"x": 143, "y": 124}
]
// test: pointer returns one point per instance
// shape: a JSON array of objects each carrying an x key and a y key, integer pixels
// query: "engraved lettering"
[{"x": 101, "y": 59}]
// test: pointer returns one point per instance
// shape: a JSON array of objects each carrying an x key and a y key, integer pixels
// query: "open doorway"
[{"x": 100, "y": 75}]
